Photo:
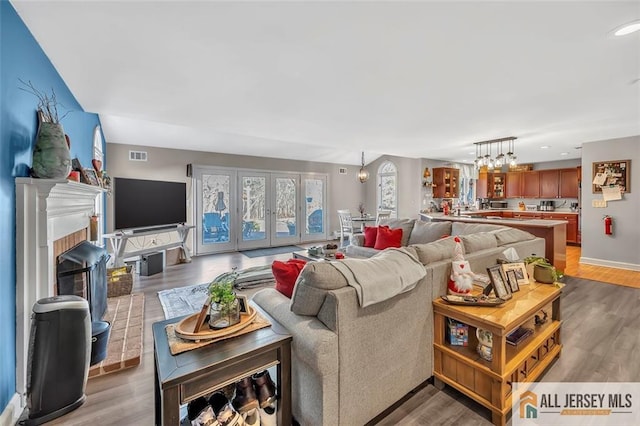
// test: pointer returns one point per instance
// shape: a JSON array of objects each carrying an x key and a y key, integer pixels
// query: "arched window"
[
  {"x": 97, "y": 144},
  {"x": 388, "y": 188}
]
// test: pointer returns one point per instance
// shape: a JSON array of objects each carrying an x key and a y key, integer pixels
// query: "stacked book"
[{"x": 518, "y": 335}]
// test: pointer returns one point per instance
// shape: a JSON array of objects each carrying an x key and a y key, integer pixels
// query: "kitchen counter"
[
  {"x": 518, "y": 211},
  {"x": 537, "y": 223},
  {"x": 553, "y": 231}
]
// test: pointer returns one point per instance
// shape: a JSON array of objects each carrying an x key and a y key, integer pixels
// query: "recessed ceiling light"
[
  {"x": 545, "y": 147},
  {"x": 629, "y": 28},
  {"x": 564, "y": 153}
]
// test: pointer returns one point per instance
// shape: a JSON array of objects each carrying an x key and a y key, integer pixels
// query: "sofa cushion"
[
  {"x": 462, "y": 228},
  {"x": 370, "y": 235},
  {"x": 437, "y": 250},
  {"x": 512, "y": 235},
  {"x": 286, "y": 274},
  {"x": 388, "y": 237},
  {"x": 478, "y": 241},
  {"x": 426, "y": 232},
  {"x": 315, "y": 280},
  {"x": 405, "y": 224}
]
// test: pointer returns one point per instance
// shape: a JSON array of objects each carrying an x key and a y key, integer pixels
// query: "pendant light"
[
  {"x": 501, "y": 159},
  {"x": 363, "y": 174}
]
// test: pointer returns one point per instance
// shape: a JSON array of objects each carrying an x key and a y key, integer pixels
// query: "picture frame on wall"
[{"x": 499, "y": 282}]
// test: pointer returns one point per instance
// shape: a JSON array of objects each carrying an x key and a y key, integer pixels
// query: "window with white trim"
[{"x": 388, "y": 188}]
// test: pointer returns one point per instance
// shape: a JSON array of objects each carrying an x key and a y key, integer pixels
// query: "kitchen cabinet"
[
  {"x": 491, "y": 185},
  {"x": 513, "y": 185},
  {"x": 531, "y": 184},
  {"x": 559, "y": 183},
  {"x": 446, "y": 182},
  {"x": 572, "y": 226},
  {"x": 522, "y": 184},
  {"x": 527, "y": 215},
  {"x": 569, "y": 179}
]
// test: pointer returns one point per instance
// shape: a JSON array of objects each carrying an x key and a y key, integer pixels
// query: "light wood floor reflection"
[{"x": 617, "y": 276}]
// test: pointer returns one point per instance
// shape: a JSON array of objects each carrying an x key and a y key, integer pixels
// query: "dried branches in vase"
[
  {"x": 47, "y": 103},
  {"x": 51, "y": 158}
]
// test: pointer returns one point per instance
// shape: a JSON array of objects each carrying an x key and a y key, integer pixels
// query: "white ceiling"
[{"x": 323, "y": 81}]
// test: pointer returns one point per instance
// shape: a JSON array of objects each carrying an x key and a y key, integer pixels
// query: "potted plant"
[
  {"x": 225, "y": 309},
  {"x": 51, "y": 157},
  {"x": 541, "y": 269}
]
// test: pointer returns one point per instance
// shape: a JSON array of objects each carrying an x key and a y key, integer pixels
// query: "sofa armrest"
[{"x": 312, "y": 342}]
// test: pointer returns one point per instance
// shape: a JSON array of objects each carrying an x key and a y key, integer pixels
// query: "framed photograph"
[
  {"x": 519, "y": 269},
  {"x": 89, "y": 176},
  {"x": 512, "y": 280},
  {"x": 499, "y": 282},
  {"x": 202, "y": 316},
  {"x": 244, "y": 304}
]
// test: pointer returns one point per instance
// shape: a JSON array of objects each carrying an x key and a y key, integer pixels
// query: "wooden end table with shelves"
[
  {"x": 184, "y": 377},
  {"x": 489, "y": 383}
]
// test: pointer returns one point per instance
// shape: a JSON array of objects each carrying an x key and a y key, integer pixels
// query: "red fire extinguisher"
[{"x": 608, "y": 225}]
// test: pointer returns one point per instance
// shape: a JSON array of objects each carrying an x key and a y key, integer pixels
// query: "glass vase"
[{"x": 224, "y": 315}]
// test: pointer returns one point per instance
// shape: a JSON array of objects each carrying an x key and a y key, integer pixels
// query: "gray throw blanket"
[{"x": 383, "y": 276}]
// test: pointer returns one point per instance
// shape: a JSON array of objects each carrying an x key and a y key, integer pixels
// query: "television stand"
[
  {"x": 118, "y": 241},
  {"x": 152, "y": 228}
]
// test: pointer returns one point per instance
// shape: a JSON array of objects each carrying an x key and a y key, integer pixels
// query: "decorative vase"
[
  {"x": 223, "y": 315},
  {"x": 51, "y": 157}
]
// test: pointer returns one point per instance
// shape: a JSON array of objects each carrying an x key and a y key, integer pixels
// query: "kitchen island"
[{"x": 553, "y": 231}]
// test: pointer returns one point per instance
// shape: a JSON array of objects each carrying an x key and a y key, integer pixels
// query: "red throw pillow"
[
  {"x": 286, "y": 274},
  {"x": 388, "y": 238},
  {"x": 370, "y": 235}
]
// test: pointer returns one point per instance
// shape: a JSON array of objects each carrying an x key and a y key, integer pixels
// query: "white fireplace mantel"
[{"x": 46, "y": 210}]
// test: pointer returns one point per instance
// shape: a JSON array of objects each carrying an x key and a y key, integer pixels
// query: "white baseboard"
[
  {"x": 610, "y": 264},
  {"x": 12, "y": 412}
]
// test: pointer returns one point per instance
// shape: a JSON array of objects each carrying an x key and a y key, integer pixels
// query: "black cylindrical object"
[
  {"x": 99, "y": 340},
  {"x": 59, "y": 353}
]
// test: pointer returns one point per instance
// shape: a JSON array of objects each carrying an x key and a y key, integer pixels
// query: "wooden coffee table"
[
  {"x": 184, "y": 377},
  {"x": 489, "y": 382}
]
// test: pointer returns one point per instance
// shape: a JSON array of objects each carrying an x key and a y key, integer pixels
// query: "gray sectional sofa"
[{"x": 351, "y": 363}]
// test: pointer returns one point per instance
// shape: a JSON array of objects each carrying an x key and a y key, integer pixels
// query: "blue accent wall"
[{"x": 21, "y": 57}]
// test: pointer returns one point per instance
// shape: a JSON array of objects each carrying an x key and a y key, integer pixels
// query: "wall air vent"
[
  {"x": 137, "y": 155},
  {"x": 342, "y": 171}
]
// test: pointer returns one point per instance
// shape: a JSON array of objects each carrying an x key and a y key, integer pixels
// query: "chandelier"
[
  {"x": 363, "y": 174},
  {"x": 487, "y": 160}
]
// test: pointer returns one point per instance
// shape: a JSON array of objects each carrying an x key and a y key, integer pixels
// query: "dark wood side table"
[{"x": 182, "y": 378}]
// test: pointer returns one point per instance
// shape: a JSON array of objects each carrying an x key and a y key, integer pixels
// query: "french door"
[
  {"x": 216, "y": 207},
  {"x": 245, "y": 209}
]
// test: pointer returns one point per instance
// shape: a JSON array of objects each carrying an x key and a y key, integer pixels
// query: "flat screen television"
[{"x": 143, "y": 203}]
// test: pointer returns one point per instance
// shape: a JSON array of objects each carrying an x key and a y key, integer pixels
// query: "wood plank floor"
[
  {"x": 599, "y": 273},
  {"x": 598, "y": 319}
]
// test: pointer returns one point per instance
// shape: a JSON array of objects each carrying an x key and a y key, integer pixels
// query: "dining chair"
[
  {"x": 382, "y": 214},
  {"x": 346, "y": 225}
]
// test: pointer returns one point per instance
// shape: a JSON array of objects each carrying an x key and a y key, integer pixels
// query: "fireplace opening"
[{"x": 82, "y": 271}]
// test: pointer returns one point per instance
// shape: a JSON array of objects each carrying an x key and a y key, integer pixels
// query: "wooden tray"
[
  {"x": 473, "y": 301},
  {"x": 184, "y": 329}
]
